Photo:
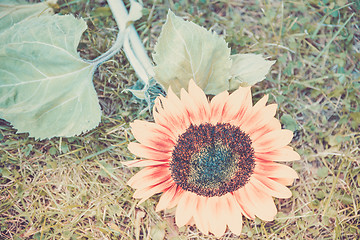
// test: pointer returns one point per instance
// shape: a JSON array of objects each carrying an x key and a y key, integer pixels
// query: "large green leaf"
[
  {"x": 248, "y": 69},
  {"x": 46, "y": 89},
  {"x": 187, "y": 51},
  {"x": 14, "y": 11}
]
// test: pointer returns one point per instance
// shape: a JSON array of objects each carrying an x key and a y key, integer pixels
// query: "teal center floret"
[{"x": 212, "y": 160}]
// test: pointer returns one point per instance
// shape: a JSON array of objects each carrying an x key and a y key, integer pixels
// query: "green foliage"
[
  {"x": 14, "y": 11},
  {"x": 46, "y": 88},
  {"x": 187, "y": 51},
  {"x": 248, "y": 69}
]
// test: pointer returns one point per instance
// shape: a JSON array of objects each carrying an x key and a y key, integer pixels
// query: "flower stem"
[{"x": 133, "y": 47}]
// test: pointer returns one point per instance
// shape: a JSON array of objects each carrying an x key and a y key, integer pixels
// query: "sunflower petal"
[
  {"x": 185, "y": 208},
  {"x": 271, "y": 187},
  {"x": 200, "y": 100},
  {"x": 259, "y": 119},
  {"x": 284, "y": 181},
  {"x": 149, "y": 176},
  {"x": 166, "y": 198},
  {"x": 152, "y": 135},
  {"x": 273, "y": 140},
  {"x": 147, "y": 192},
  {"x": 144, "y": 163},
  {"x": 244, "y": 203},
  {"x": 281, "y": 154},
  {"x": 275, "y": 170},
  {"x": 272, "y": 125},
  {"x": 238, "y": 103},
  {"x": 264, "y": 204},
  {"x": 147, "y": 152},
  {"x": 234, "y": 215},
  {"x": 217, "y": 106},
  {"x": 217, "y": 218},
  {"x": 201, "y": 215}
]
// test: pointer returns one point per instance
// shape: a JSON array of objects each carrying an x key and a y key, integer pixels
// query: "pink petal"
[
  {"x": 169, "y": 113},
  {"x": 217, "y": 217},
  {"x": 185, "y": 208},
  {"x": 149, "y": 176},
  {"x": 271, "y": 187},
  {"x": 274, "y": 170},
  {"x": 259, "y": 119},
  {"x": 146, "y": 152},
  {"x": 234, "y": 215},
  {"x": 245, "y": 203},
  {"x": 238, "y": 103},
  {"x": 217, "y": 106},
  {"x": 165, "y": 199},
  {"x": 145, "y": 193},
  {"x": 144, "y": 163},
  {"x": 281, "y": 154},
  {"x": 201, "y": 215},
  {"x": 175, "y": 200},
  {"x": 272, "y": 125},
  {"x": 200, "y": 100},
  {"x": 284, "y": 181},
  {"x": 272, "y": 140},
  {"x": 153, "y": 135},
  {"x": 263, "y": 204}
]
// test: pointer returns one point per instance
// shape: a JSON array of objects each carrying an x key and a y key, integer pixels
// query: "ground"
[{"x": 75, "y": 188}]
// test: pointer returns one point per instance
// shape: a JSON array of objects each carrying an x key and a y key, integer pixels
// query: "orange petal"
[
  {"x": 198, "y": 114},
  {"x": 217, "y": 217},
  {"x": 165, "y": 118},
  {"x": 264, "y": 206},
  {"x": 149, "y": 176},
  {"x": 175, "y": 200},
  {"x": 185, "y": 208},
  {"x": 245, "y": 203},
  {"x": 284, "y": 181},
  {"x": 261, "y": 103},
  {"x": 144, "y": 163},
  {"x": 217, "y": 106},
  {"x": 281, "y": 154},
  {"x": 234, "y": 215},
  {"x": 259, "y": 119},
  {"x": 146, "y": 152},
  {"x": 272, "y": 125},
  {"x": 147, "y": 192},
  {"x": 272, "y": 140},
  {"x": 238, "y": 103},
  {"x": 153, "y": 135},
  {"x": 271, "y": 187},
  {"x": 274, "y": 170},
  {"x": 201, "y": 215},
  {"x": 166, "y": 198},
  {"x": 175, "y": 113},
  {"x": 200, "y": 100}
]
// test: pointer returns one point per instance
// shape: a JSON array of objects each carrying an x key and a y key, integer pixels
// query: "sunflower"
[{"x": 214, "y": 161}]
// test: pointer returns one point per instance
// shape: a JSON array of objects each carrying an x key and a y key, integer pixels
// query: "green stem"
[{"x": 133, "y": 47}]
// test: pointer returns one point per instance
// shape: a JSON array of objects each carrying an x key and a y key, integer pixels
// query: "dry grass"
[{"x": 75, "y": 188}]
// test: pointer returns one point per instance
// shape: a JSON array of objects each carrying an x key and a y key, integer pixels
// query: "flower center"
[{"x": 212, "y": 160}]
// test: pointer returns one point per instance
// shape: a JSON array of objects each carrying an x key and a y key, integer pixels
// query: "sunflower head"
[{"x": 215, "y": 161}]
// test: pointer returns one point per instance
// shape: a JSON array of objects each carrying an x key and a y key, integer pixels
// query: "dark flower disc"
[{"x": 212, "y": 160}]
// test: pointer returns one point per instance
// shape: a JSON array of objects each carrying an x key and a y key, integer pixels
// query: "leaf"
[
  {"x": 289, "y": 122},
  {"x": 187, "y": 51},
  {"x": 46, "y": 89},
  {"x": 12, "y": 12},
  {"x": 248, "y": 69}
]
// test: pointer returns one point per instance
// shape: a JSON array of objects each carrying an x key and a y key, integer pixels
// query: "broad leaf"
[
  {"x": 187, "y": 51},
  {"x": 46, "y": 89},
  {"x": 14, "y": 11},
  {"x": 248, "y": 69}
]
